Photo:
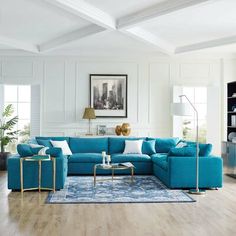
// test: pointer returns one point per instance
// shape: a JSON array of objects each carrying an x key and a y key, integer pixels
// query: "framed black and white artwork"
[{"x": 108, "y": 95}]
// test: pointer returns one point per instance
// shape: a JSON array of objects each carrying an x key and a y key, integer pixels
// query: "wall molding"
[{"x": 155, "y": 74}]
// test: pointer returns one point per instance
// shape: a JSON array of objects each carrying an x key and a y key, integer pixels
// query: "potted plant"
[{"x": 7, "y": 134}]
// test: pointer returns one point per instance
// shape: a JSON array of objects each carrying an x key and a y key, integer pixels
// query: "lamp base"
[{"x": 197, "y": 191}]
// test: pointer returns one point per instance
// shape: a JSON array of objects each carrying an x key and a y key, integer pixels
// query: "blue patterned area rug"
[{"x": 144, "y": 189}]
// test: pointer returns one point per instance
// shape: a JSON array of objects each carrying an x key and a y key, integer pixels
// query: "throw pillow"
[
  {"x": 42, "y": 151},
  {"x": 133, "y": 147},
  {"x": 163, "y": 145},
  {"x": 24, "y": 150},
  {"x": 32, "y": 141},
  {"x": 32, "y": 145},
  {"x": 36, "y": 150},
  {"x": 181, "y": 144},
  {"x": 148, "y": 147},
  {"x": 44, "y": 142},
  {"x": 205, "y": 149},
  {"x": 63, "y": 145}
]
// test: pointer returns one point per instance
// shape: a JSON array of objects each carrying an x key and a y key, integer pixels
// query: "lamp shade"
[
  {"x": 181, "y": 109},
  {"x": 89, "y": 113}
]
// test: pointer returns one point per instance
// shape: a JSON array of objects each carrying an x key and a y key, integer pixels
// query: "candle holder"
[
  {"x": 108, "y": 159},
  {"x": 103, "y": 158}
]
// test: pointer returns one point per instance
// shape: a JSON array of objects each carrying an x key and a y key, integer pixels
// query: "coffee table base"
[{"x": 112, "y": 173}]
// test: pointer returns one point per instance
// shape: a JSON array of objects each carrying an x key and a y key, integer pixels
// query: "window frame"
[{"x": 18, "y": 102}]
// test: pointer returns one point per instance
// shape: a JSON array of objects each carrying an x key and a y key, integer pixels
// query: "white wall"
[{"x": 65, "y": 89}]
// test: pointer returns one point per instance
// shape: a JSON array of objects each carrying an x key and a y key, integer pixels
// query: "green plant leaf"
[
  {"x": 8, "y": 111},
  {"x": 7, "y": 134},
  {"x": 11, "y": 123},
  {"x": 13, "y": 133}
]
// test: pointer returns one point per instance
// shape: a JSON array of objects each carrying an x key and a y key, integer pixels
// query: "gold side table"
[{"x": 38, "y": 159}]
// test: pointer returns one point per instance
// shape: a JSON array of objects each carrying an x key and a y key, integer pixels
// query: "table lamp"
[{"x": 89, "y": 114}]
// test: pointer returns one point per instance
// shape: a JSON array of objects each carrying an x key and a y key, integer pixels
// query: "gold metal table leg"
[
  {"x": 54, "y": 174},
  {"x": 132, "y": 174},
  {"x": 94, "y": 176},
  {"x": 40, "y": 172},
  {"x": 21, "y": 175},
  {"x": 112, "y": 171}
]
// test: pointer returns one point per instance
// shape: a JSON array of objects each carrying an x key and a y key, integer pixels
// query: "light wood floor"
[{"x": 27, "y": 214}]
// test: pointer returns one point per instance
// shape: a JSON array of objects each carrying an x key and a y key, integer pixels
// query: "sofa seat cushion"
[
  {"x": 85, "y": 158},
  {"x": 161, "y": 160},
  {"x": 118, "y": 158}
]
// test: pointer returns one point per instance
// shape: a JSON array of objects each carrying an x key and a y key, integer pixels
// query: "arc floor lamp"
[{"x": 183, "y": 109}]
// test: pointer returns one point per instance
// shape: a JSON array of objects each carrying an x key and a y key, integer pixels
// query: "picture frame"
[
  {"x": 101, "y": 129},
  {"x": 108, "y": 95}
]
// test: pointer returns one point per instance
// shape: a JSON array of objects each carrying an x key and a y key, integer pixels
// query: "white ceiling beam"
[
  {"x": 155, "y": 11},
  {"x": 12, "y": 43},
  {"x": 151, "y": 39},
  {"x": 86, "y": 11},
  {"x": 206, "y": 44},
  {"x": 72, "y": 36}
]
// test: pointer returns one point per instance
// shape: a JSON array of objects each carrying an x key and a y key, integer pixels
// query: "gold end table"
[
  {"x": 112, "y": 167},
  {"x": 39, "y": 159}
]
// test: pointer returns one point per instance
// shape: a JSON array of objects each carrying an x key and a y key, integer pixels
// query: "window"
[
  {"x": 19, "y": 97},
  {"x": 198, "y": 96}
]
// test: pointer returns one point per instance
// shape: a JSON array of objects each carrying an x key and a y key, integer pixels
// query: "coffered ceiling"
[{"x": 162, "y": 26}]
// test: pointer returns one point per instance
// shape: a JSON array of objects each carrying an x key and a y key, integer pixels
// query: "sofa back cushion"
[
  {"x": 45, "y": 141},
  {"x": 117, "y": 144},
  {"x": 189, "y": 151},
  {"x": 163, "y": 145},
  {"x": 204, "y": 148},
  {"x": 88, "y": 145}
]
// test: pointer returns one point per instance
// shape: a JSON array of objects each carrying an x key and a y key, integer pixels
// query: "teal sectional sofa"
[{"x": 172, "y": 166}]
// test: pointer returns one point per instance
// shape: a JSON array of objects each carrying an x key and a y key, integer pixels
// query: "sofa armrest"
[{"x": 184, "y": 169}]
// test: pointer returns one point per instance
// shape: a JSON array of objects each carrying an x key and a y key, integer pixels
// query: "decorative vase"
[
  {"x": 118, "y": 130},
  {"x": 126, "y": 129},
  {"x": 3, "y": 160},
  {"x": 108, "y": 159}
]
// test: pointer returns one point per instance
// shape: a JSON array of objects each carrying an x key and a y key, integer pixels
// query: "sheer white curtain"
[
  {"x": 35, "y": 111},
  {"x": 213, "y": 116},
  {"x": 1, "y": 99},
  {"x": 177, "y": 124}
]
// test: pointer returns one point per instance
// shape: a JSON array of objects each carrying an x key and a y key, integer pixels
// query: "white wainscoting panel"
[
  {"x": 199, "y": 69},
  {"x": 17, "y": 68},
  {"x": 160, "y": 93},
  {"x": 65, "y": 89},
  {"x": 54, "y": 91}
]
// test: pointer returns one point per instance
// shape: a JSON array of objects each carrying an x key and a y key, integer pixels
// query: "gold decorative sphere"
[
  {"x": 118, "y": 130},
  {"x": 126, "y": 129}
]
